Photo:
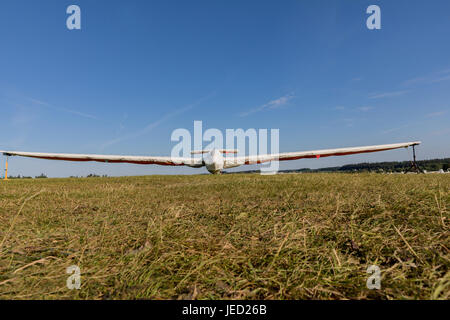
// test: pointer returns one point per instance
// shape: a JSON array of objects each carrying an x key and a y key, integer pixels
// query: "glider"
[{"x": 214, "y": 160}]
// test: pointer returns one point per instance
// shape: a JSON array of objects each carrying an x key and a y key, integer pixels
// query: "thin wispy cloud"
[
  {"x": 441, "y": 79},
  {"x": 444, "y": 71},
  {"x": 21, "y": 121},
  {"x": 348, "y": 122},
  {"x": 440, "y": 132},
  {"x": 156, "y": 123},
  {"x": 415, "y": 123},
  {"x": 21, "y": 117},
  {"x": 365, "y": 108},
  {"x": 122, "y": 123},
  {"x": 388, "y": 94},
  {"x": 436, "y": 114},
  {"x": 435, "y": 77},
  {"x": 395, "y": 129},
  {"x": 273, "y": 104},
  {"x": 414, "y": 81},
  {"x": 74, "y": 112},
  {"x": 351, "y": 109}
]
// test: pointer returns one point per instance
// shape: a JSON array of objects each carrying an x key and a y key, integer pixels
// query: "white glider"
[{"x": 213, "y": 160}]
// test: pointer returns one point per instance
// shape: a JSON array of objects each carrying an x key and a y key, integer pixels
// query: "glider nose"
[{"x": 214, "y": 161}]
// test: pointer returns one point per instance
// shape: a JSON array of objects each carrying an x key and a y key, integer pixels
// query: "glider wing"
[
  {"x": 231, "y": 162},
  {"x": 166, "y": 161}
]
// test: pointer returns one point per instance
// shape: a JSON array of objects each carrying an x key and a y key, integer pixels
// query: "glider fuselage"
[{"x": 214, "y": 161}]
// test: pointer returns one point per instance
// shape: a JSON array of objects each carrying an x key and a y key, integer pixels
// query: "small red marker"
[{"x": 318, "y": 156}]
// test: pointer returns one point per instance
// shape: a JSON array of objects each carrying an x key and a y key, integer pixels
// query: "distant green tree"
[{"x": 92, "y": 175}]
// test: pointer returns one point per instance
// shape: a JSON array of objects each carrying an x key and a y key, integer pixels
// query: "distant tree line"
[
  {"x": 91, "y": 175},
  {"x": 43, "y": 176},
  {"x": 392, "y": 166}
]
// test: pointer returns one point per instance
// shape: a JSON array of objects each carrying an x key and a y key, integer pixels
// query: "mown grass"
[{"x": 293, "y": 236}]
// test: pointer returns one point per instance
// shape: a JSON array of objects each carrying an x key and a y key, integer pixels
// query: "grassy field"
[{"x": 293, "y": 236}]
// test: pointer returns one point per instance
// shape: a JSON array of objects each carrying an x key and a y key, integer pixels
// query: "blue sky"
[{"x": 137, "y": 70}]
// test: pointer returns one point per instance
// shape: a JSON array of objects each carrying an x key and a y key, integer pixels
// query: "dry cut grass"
[{"x": 293, "y": 236}]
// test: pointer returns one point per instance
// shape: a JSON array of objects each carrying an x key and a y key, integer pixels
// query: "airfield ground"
[{"x": 292, "y": 236}]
